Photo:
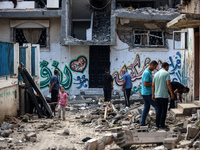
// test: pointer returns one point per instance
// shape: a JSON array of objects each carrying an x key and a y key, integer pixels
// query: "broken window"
[
  {"x": 180, "y": 40},
  {"x": 148, "y": 38},
  {"x": 34, "y": 36}
]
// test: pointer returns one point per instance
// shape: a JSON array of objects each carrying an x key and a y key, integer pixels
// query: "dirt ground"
[{"x": 51, "y": 136}]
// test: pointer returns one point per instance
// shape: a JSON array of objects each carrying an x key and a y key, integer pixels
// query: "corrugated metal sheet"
[
  {"x": 6, "y": 58},
  {"x": 22, "y": 57},
  {"x": 33, "y": 61}
]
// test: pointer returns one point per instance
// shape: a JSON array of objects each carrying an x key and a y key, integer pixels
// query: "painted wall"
[
  {"x": 9, "y": 101},
  {"x": 137, "y": 61},
  {"x": 71, "y": 61}
]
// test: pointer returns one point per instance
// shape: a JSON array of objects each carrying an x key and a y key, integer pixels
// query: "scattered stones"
[
  {"x": 196, "y": 144},
  {"x": 66, "y": 132}
]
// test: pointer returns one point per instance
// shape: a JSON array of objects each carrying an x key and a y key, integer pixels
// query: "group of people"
[{"x": 154, "y": 91}]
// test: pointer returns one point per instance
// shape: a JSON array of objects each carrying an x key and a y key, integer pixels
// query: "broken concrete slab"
[
  {"x": 108, "y": 138},
  {"x": 29, "y": 135},
  {"x": 184, "y": 143},
  {"x": 170, "y": 143},
  {"x": 91, "y": 144},
  {"x": 192, "y": 131}
]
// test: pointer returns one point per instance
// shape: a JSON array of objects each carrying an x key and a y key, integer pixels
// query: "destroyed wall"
[
  {"x": 192, "y": 7},
  {"x": 137, "y": 59},
  {"x": 187, "y": 67}
]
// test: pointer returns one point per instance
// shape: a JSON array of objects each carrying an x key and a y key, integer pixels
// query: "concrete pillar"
[{"x": 16, "y": 58}]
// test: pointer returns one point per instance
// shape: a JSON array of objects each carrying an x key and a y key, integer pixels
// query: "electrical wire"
[{"x": 99, "y": 8}]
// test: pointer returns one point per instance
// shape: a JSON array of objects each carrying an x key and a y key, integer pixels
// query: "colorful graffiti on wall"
[
  {"x": 175, "y": 67},
  {"x": 45, "y": 72},
  {"x": 135, "y": 73},
  {"x": 82, "y": 82},
  {"x": 79, "y": 64},
  {"x": 136, "y": 69}
]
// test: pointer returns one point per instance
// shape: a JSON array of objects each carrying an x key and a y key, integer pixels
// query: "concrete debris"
[
  {"x": 170, "y": 143},
  {"x": 66, "y": 132},
  {"x": 149, "y": 10},
  {"x": 91, "y": 144},
  {"x": 6, "y": 125},
  {"x": 192, "y": 131},
  {"x": 30, "y": 136},
  {"x": 6, "y": 133}
]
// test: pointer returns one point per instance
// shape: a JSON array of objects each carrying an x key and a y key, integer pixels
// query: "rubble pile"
[{"x": 149, "y": 10}]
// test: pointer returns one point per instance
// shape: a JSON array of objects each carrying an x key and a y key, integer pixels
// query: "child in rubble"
[{"x": 62, "y": 102}]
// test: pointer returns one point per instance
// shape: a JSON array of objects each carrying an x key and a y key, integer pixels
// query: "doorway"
[{"x": 99, "y": 60}]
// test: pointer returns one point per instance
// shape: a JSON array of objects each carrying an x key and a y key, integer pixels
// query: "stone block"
[
  {"x": 66, "y": 132},
  {"x": 91, "y": 144},
  {"x": 6, "y": 133},
  {"x": 196, "y": 144},
  {"x": 170, "y": 143},
  {"x": 29, "y": 135},
  {"x": 5, "y": 126},
  {"x": 184, "y": 143},
  {"x": 101, "y": 145},
  {"x": 192, "y": 131},
  {"x": 108, "y": 138}
]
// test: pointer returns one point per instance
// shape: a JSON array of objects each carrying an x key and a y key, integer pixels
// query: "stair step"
[
  {"x": 187, "y": 108},
  {"x": 197, "y": 103},
  {"x": 176, "y": 112}
]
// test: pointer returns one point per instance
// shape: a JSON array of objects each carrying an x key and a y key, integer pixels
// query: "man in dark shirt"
[
  {"x": 54, "y": 88},
  {"x": 177, "y": 88},
  {"x": 107, "y": 85}
]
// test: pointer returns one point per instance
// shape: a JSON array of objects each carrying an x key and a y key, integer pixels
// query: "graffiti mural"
[
  {"x": 79, "y": 64},
  {"x": 136, "y": 69},
  {"x": 175, "y": 67},
  {"x": 46, "y": 73},
  {"x": 82, "y": 82}
]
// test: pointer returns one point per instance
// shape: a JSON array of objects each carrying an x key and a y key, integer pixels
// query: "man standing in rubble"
[
  {"x": 54, "y": 88},
  {"x": 160, "y": 86},
  {"x": 127, "y": 86},
  {"x": 107, "y": 85},
  {"x": 147, "y": 91}
]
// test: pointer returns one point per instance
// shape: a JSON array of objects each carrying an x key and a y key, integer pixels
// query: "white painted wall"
[
  {"x": 5, "y": 30},
  {"x": 122, "y": 55}
]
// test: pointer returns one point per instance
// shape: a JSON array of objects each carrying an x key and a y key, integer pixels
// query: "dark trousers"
[
  {"x": 162, "y": 111},
  {"x": 147, "y": 103},
  {"x": 54, "y": 98},
  {"x": 172, "y": 104},
  {"x": 107, "y": 95},
  {"x": 127, "y": 93}
]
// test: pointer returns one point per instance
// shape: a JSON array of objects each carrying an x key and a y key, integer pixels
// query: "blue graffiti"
[
  {"x": 82, "y": 82},
  {"x": 176, "y": 67}
]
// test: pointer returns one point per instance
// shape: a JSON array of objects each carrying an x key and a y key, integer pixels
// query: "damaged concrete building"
[
  {"x": 82, "y": 38},
  {"x": 188, "y": 22}
]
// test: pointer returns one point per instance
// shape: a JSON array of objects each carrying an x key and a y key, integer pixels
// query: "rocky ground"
[{"x": 87, "y": 128}]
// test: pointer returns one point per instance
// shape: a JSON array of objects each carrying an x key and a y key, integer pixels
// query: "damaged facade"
[
  {"x": 188, "y": 25},
  {"x": 82, "y": 38}
]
